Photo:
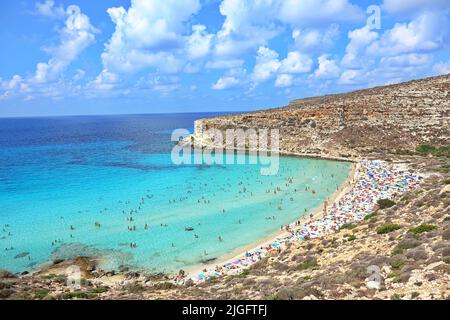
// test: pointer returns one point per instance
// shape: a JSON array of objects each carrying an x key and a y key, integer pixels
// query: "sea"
[{"x": 106, "y": 186}]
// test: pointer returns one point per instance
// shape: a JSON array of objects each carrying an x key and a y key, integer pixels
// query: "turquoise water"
[{"x": 61, "y": 176}]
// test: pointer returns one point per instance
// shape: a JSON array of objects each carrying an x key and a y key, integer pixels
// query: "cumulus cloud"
[
  {"x": 165, "y": 84},
  {"x": 352, "y": 77},
  {"x": 406, "y": 60},
  {"x": 12, "y": 86},
  {"x": 359, "y": 40},
  {"x": 267, "y": 64},
  {"x": 199, "y": 43},
  {"x": 296, "y": 62},
  {"x": 251, "y": 24},
  {"x": 247, "y": 25},
  {"x": 147, "y": 34},
  {"x": 226, "y": 82},
  {"x": 400, "y": 53},
  {"x": 441, "y": 68},
  {"x": 315, "y": 39},
  {"x": 284, "y": 80},
  {"x": 48, "y": 9},
  {"x": 327, "y": 69},
  {"x": 105, "y": 80},
  {"x": 233, "y": 78},
  {"x": 79, "y": 75},
  {"x": 426, "y": 33},
  {"x": 76, "y": 35}
]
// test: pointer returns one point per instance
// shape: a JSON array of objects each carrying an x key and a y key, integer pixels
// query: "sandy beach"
[
  {"x": 368, "y": 181},
  {"x": 317, "y": 213}
]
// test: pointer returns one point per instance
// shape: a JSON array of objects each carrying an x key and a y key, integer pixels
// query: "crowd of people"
[{"x": 373, "y": 180}]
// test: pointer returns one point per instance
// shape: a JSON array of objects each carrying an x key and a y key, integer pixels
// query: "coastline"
[
  {"x": 240, "y": 252},
  {"x": 49, "y": 267},
  {"x": 195, "y": 140},
  {"x": 370, "y": 181},
  {"x": 317, "y": 213}
]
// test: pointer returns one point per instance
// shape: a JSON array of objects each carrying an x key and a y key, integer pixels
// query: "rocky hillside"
[{"x": 393, "y": 117}]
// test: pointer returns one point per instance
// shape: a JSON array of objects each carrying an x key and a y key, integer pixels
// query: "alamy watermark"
[
  {"x": 374, "y": 18},
  {"x": 234, "y": 146}
]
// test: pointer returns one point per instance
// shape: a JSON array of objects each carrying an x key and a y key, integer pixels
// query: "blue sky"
[{"x": 147, "y": 56}]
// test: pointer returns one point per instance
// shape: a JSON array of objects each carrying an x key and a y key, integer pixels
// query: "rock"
[
  {"x": 382, "y": 118},
  {"x": 58, "y": 261},
  {"x": 446, "y": 252},
  {"x": 373, "y": 285},
  {"x": 409, "y": 243},
  {"x": 446, "y": 234},
  {"x": 445, "y": 189},
  {"x": 434, "y": 265},
  {"x": 124, "y": 269},
  {"x": 21, "y": 255},
  {"x": 4, "y": 274},
  {"x": 6, "y": 293},
  {"x": 189, "y": 283},
  {"x": 417, "y": 254}
]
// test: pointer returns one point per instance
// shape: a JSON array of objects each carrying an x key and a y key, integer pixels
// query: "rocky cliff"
[{"x": 394, "y": 117}]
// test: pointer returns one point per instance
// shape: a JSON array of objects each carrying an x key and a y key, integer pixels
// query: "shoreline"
[
  {"x": 236, "y": 253},
  {"x": 241, "y": 252},
  {"x": 370, "y": 179},
  {"x": 317, "y": 213},
  {"x": 194, "y": 140}
]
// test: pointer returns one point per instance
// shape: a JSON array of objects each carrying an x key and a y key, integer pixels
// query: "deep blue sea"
[{"x": 75, "y": 185}]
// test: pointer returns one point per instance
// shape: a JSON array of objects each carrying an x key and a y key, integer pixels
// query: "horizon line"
[{"x": 120, "y": 114}]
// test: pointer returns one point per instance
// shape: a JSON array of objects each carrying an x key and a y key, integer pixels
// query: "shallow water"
[{"x": 59, "y": 176}]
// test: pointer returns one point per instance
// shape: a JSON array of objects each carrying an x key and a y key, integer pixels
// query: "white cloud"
[
  {"x": 267, "y": 64},
  {"x": 192, "y": 67},
  {"x": 79, "y": 75},
  {"x": 352, "y": 77},
  {"x": 224, "y": 64},
  {"x": 49, "y": 10},
  {"x": 14, "y": 83},
  {"x": 199, "y": 43},
  {"x": 426, "y": 33},
  {"x": 251, "y": 24},
  {"x": 315, "y": 39},
  {"x": 165, "y": 84},
  {"x": 76, "y": 35},
  {"x": 359, "y": 40},
  {"x": 105, "y": 80},
  {"x": 247, "y": 25},
  {"x": 401, "y": 53},
  {"x": 233, "y": 78},
  {"x": 441, "y": 68},
  {"x": 284, "y": 80},
  {"x": 148, "y": 34},
  {"x": 414, "y": 6},
  {"x": 328, "y": 68},
  {"x": 296, "y": 62},
  {"x": 406, "y": 60},
  {"x": 226, "y": 82}
]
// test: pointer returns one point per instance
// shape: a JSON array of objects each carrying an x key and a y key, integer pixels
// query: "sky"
[{"x": 78, "y": 57}]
